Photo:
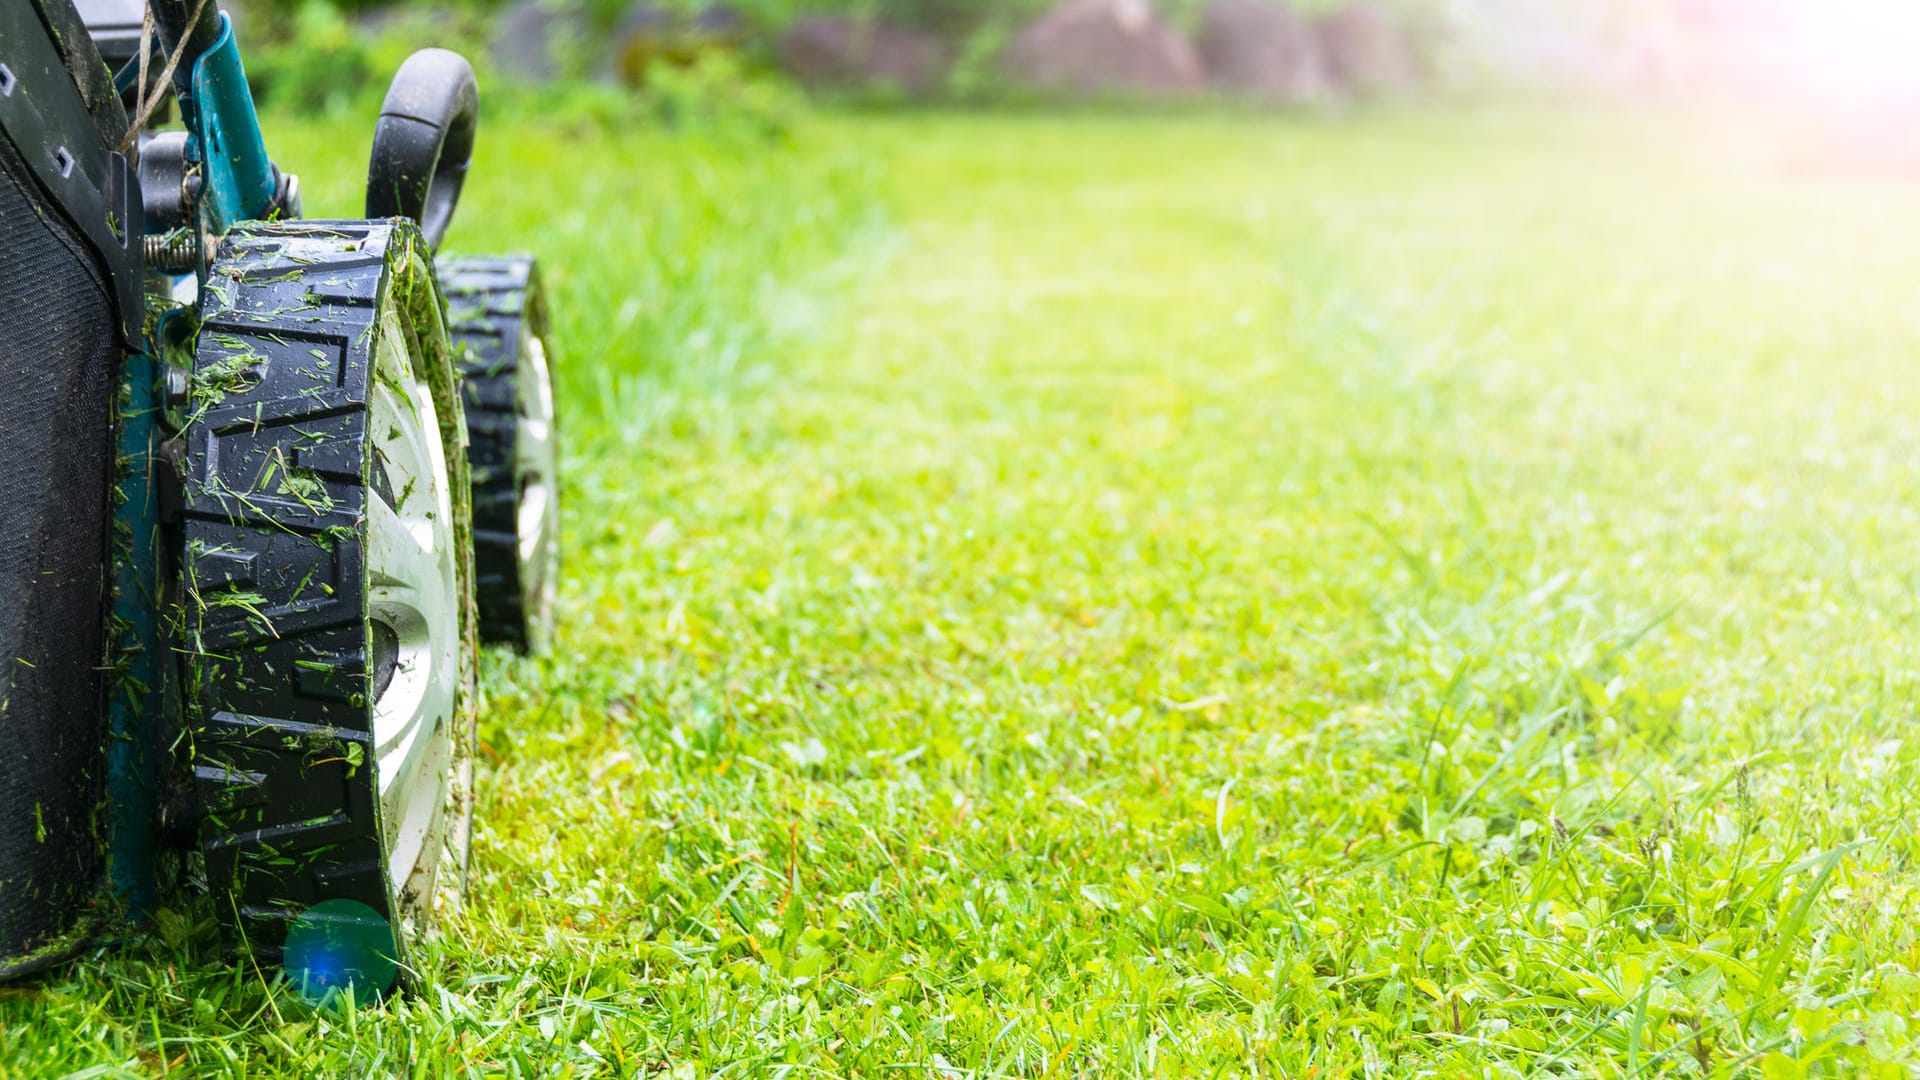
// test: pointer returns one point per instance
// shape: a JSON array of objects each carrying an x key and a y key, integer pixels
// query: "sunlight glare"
[{"x": 1855, "y": 52}]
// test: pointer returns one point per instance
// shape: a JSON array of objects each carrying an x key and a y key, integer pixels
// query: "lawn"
[{"x": 1181, "y": 596}]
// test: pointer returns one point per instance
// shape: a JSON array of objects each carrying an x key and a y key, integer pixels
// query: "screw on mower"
[{"x": 257, "y": 466}]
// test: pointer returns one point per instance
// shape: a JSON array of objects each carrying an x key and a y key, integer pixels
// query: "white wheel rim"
[
  {"x": 534, "y": 468},
  {"x": 414, "y": 597}
]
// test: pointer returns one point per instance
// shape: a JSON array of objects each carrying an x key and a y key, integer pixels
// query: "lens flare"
[{"x": 341, "y": 946}]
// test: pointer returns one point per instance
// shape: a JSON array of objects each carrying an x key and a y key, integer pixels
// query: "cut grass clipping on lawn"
[{"x": 1178, "y": 596}]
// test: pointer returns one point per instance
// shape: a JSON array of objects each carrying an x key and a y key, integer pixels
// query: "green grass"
[{"x": 1180, "y": 596}]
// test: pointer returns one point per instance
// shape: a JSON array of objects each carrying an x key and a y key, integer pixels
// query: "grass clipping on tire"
[{"x": 273, "y": 291}]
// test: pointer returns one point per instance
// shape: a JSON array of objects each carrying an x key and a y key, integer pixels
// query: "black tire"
[
  {"x": 423, "y": 143},
  {"x": 289, "y": 464},
  {"x": 498, "y": 317}
]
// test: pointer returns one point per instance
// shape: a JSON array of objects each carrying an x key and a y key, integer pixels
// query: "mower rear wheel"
[
  {"x": 329, "y": 595},
  {"x": 498, "y": 317}
]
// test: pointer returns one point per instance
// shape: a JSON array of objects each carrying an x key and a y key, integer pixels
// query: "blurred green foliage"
[
  {"x": 327, "y": 55},
  {"x": 310, "y": 56},
  {"x": 322, "y": 56}
]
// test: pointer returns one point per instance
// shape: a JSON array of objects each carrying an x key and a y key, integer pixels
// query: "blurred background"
[{"x": 1837, "y": 73}]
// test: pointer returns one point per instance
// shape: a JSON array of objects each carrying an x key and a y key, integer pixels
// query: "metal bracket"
[{"x": 240, "y": 180}]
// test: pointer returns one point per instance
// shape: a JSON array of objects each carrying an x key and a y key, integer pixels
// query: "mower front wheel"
[{"x": 328, "y": 609}]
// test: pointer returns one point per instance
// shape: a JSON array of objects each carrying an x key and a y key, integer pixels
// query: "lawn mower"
[{"x": 268, "y": 484}]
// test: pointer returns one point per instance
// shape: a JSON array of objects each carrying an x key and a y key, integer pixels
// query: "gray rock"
[
  {"x": 722, "y": 21},
  {"x": 1263, "y": 50},
  {"x": 1097, "y": 47},
  {"x": 542, "y": 40},
  {"x": 645, "y": 34},
  {"x": 1366, "y": 52},
  {"x": 825, "y": 51},
  {"x": 649, "y": 34}
]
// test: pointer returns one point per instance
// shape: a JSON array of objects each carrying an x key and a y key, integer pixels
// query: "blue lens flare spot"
[{"x": 341, "y": 946}]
